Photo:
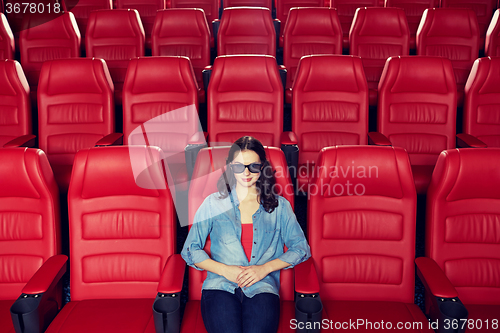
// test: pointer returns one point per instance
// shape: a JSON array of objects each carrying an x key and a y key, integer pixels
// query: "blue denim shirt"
[{"x": 220, "y": 218}]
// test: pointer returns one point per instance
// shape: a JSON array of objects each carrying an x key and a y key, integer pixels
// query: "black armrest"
[
  {"x": 277, "y": 28},
  {"x": 283, "y": 74},
  {"x": 207, "y": 73},
  {"x": 196, "y": 143},
  {"x": 291, "y": 151},
  {"x": 215, "y": 28}
]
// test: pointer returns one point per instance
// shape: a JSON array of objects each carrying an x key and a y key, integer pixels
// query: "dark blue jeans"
[{"x": 224, "y": 312}]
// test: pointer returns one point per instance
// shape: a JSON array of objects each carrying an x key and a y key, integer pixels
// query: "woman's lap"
[{"x": 224, "y": 312}]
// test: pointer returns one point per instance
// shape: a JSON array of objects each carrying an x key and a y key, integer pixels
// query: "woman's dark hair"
[{"x": 266, "y": 181}]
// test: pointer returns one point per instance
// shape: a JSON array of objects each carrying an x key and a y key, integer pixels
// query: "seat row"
[
  {"x": 417, "y": 108},
  {"x": 362, "y": 238}
]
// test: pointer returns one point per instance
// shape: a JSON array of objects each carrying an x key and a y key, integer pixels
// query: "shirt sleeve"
[
  {"x": 193, "y": 252},
  {"x": 297, "y": 248}
]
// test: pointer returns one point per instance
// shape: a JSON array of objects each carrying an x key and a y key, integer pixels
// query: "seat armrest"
[
  {"x": 288, "y": 138},
  {"x": 469, "y": 141},
  {"x": 291, "y": 150},
  {"x": 277, "y": 29},
  {"x": 306, "y": 278},
  {"x": 112, "y": 139},
  {"x": 196, "y": 143},
  {"x": 40, "y": 300},
  {"x": 166, "y": 308},
  {"x": 215, "y": 29},
  {"x": 377, "y": 138},
  {"x": 283, "y": 74},
  {"x": 207, "y": 73},
  {"x": 21, "y": 141},
  {"x": 308, "y": 305},
  {"x": 434, "y": 279}
]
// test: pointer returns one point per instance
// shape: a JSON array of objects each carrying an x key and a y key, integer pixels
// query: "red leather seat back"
[
  {"x": 283, "y": 8},
  {"x": 362, "y": 236},
  {"x": 209, "y": 167},
  {"x": 116, "y": 36},
  {"x": 482, "y": 99},
  {"x": 463, "y": 208},
  {"x": 492, "y": 43},
  {"x": 377, "y": 34},
  {"x": 413, "y": 11},
  {"x": 121, "y": 234},
  {"x": 15, "y": 108},
  {"x": 57, "y": 38},
  {"x": 346, "y": 10},
  {"x": 82, "y": 10},
  {"x": 330, "y": 104},
  {"x": 147, "y": 11},
  {"x": 6, "y": 39},
  {"x": 245, "y": 97},
  {"x": 160, "y": 104},
  {"x": 75, "y": 109},
  {"x": 29, "y": 215},
  {"x": 452, "y": 33},
  {"x": 246, "y": 30},
  {"x": 248, "y": 3},
  {"x": 310, "y": 31},
  {"x": 210, "y": 7},
  {"x": 417, "y": 106},
  {"x": 176, "y": 34}
]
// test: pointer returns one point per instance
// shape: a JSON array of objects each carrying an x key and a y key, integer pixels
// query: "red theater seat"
[
  {"x": 346, "y": 10},
  {"x": 361, "y": 229},
  {"x": 175, "y": 34},
  {"x": 483, "y": 9},
  {"x": 309, "y": 31},
  {"x": 116, "y": 36},
  {"x": 82, "y": 8},
  {"x": 210, "y": 7},
  {"x": 75, "y": 111},
  {"x": 245, "y": 97},
  {"x": 209, "y": 166},
  {"x": 377, "y": 34},
  {"x": 453, "y": 34},
  {"x": 246, "y": 30},
  {"x": 413, "y": 11},
  {"x": 57, "y": 38},
  {"x": 6, "y": 39},
  {"x": 122, "y": 240},
  {"x": 482, "y": 100},
  {"x": 492, "y": 43},
  {"x": 462, "y": 253},
  {"x": 147, "y": 11},
  {"x": 29, "y": 237},
  {"x": 330, "y": 107},
  {"x": 160, "y": 108},
  {"x": 417, "y": 110},
  {"x": 15, "y": 107},
  {"x": 249, "y": 3},
  {"x": 283, "y": 8}
]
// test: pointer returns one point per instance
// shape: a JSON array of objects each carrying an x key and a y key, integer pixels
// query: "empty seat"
[
  {"x": 210, "y": 7},
  {"x": 147, "y": 11},
  {"x": 330, "y": 107},
  {"x": 482, "y": 101},
  {"x": 309, "y": 31},
  {"x": 483, "y": 9},
  {"x": 82, "y": 8},
  {"x": 30, "y": 233},
  {"x": 116, "y": 36},
  {"x": 56, "y": 38},
  {"x": 452, "y": 33},
  {"x": 346, "y": 10},
  {"x": 283, "y": 8},
  {"x": 377, "y": 34},
  {"x": 160, "y": 108},
  {"x": 462, "y": 253},
  {"x": 246, "y": 30},
  {"x": 209, "y": 166},
  {"x": 413, "y": 11},
  {"x": 245, "y": 102},
  {"x": 122, "y": 240},
  {"x": 417, "y": 110},
  {"x": 75, "y": 111},
  {"x": 7, "y": 46},
  {"x": 175, "y": 34},
  {"x": 15, "y": 106},
  {"x": 361, "y": 229},
  {"x": 492, "y": 43},
  {"x": 248, "y": 3}
]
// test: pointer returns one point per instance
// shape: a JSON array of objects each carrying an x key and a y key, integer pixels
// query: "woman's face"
[{"x": 246, "y": 178}]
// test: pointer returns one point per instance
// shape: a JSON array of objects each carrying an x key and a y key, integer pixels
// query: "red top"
[{"x": 247, "y": 238}]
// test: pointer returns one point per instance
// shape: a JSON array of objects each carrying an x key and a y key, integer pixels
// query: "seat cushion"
[
  {"x": 5, "y": 320},
  {"x": 483, "y": 313},
  {"x": 422, "y": 175},
  {"x": 375, "y": 312},
  {"x": 107, "y": 315}
]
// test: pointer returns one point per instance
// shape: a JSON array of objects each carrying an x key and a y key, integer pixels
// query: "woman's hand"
[
  {"x": 232, "y": 272},
  {"x": 251, "y": 275}
]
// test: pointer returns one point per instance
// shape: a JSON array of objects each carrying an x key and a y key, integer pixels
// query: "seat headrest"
[
  {"x": 486, "y": 73},
  {"x": 316, "y": 21},
  {"x": 12, "y": 79},
  {"x": 451, "y": 22},
  {"x": 115, "y": 23},
  {"x": 179, "y": 22},
  {"x": 381, "y": 21},
  {"x": 53, "y": 26}
]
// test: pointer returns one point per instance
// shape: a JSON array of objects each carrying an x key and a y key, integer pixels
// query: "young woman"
[{"x": 241, "y": 291}]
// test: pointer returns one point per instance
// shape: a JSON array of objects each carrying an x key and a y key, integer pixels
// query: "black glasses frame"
[{"x": 252, "y": 167}]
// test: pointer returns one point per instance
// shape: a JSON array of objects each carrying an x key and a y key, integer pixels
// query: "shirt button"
[
  {"x": 254, "y": 216},
  {"x": 255, "y": 242},
  {"x": 253, "y": 256},
  {"x": 255, "y": 229}
]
